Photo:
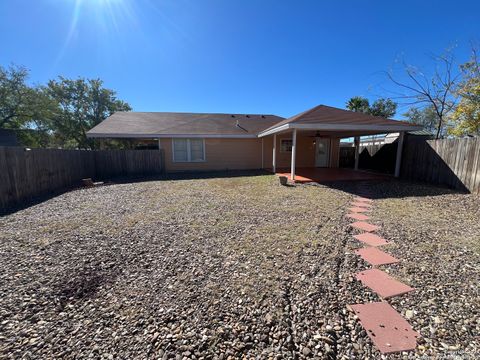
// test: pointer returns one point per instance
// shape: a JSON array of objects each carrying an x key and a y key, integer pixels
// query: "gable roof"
[
  {"x": 172, "y": 124},
  {"x": 328, "y": 118}
]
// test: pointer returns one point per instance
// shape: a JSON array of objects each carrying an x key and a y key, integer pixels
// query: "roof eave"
[
  {"x": 341, "y": 127},
  {"x": 158, "y": 136}
]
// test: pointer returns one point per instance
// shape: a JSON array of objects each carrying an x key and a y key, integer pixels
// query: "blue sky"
[{"x": 245, "y": 56}]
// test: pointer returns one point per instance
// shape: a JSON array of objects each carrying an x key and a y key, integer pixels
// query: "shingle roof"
[
  {"x": 323, "y": 114},
  {"x": 157, "y": 124}
]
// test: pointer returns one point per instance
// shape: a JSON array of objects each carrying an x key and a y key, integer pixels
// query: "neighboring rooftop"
[{"x": 164, "y": 124}]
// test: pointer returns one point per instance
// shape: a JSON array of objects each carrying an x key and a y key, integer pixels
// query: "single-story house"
[{"x": 197, "y": 141}]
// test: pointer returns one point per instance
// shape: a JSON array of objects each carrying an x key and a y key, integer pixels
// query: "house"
[{"x": 193, "y": 141}]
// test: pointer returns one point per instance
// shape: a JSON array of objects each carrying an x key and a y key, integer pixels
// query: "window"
[
  {"x": 285, "y": 145},
  {"x": 188, "y": 150}
]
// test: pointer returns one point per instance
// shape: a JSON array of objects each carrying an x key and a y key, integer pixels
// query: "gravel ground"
[{"x": 235, "y": 267}]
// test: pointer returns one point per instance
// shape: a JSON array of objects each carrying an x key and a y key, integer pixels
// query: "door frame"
[{"x": 328, "y": 141}]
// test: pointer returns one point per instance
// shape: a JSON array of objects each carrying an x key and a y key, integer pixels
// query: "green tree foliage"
[
  {"x": 381, "y": 107},
  {"x": 21, "y": 105},
  {"x": 83, "y": 104},
  {"x": 466, "y": 117},
  {"x": 358, "y": 104},
  {"x": 426, "y": 117}
]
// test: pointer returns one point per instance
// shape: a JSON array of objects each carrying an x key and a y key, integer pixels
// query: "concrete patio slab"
[
  {"x": 382, "y": 283},
  {"x": 358, "y": 209},
  {"x": 375, "y": 256},
  {"x": 362, "y": 225},
  {"x": 358, "y": 216},
  {"x": 386, "y": 328},
  {"x": 371, "y": 239}
]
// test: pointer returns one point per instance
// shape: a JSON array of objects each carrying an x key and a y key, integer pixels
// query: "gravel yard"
[{"x": 233, "y": 266}]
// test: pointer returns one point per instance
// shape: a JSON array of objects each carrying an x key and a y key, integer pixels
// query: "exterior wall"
[
  {"x": 246, "y": 154},
  {"x": 305, "y": 152},
  {"x": 220, "y": 154}
]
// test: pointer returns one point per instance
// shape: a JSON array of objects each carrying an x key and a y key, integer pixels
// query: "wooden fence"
[
  {"x": 25, "y": 174},
  {"x": 451, "y": 162}
]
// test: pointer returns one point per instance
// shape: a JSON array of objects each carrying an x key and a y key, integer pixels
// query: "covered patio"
[{"x": 308, "y": 143}]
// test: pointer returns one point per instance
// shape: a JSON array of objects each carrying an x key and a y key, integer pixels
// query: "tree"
[
  {"x": 381, "y": 107},
  {"x": 466, "y": 117},
  {"x": 426, "y": 117},
  {"x": 83, "y": 104},
  {"x": 436, "y": 91},
  {"x": 20, "y": 104},
  {"x": 358, "y": 104}
]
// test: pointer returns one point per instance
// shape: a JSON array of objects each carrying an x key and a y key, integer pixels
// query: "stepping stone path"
[
  {"x": 358, "y": 216},
  {"x": 375, "y": 256},
  {"x": 382, "y": 283},
  {"x": 384, "y": 325}
]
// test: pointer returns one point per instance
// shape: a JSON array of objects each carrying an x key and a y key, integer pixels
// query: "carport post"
[
  {"x": 274, "y": 157},
  {"x": 356, "y": 142},
  {"x": 398, "y": 162},
  {"x": 294, "y": 148}
]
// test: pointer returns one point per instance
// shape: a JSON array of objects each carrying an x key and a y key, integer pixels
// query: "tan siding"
[{"x": 220, "y": 154}]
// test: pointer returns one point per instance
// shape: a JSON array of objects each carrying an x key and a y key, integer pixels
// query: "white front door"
[{"x": 322, "y": 152}]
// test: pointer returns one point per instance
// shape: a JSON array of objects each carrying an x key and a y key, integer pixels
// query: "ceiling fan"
[{"x": 317, "y": 134}]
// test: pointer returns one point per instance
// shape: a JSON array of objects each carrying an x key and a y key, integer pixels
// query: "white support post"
[
  {"x": 294, "y": 148},
  {"x": 398, "y": 162},
  {"x": 274, "y": 155},
  {"x": 357, "y": 151}
]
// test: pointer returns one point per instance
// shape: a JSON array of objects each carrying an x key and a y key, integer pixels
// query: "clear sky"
[{"x": 247, "y": 56}]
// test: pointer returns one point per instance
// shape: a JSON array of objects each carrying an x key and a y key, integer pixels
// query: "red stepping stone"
[
  {"x": 362, "y": 225},
  {"x": 361, "y": 204},
  {"x": 371, "y": 239},
  {"x": 358, "y": 209},
  {"x": 362, "y": 199},
  {"x": 382, "y": 283},
  {"x": 358, "y": 216},
  {"x": 375, "y": 256},
  {"x": 386, "y": 328}
]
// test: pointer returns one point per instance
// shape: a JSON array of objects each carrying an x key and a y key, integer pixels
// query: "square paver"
[
  {"x": 362, "y": 199},
  {"x": 358, "y": 216},
  {"x": 362, "y": 225},
  {"x": 382, "y": 283},
  {"x": 371, "y": 239},
  {"x": 375, "y": 256},
  {"x": 386, "y": 328},
  {"x": 361, "y": 204},
  {"x": 358, "y": 209}
]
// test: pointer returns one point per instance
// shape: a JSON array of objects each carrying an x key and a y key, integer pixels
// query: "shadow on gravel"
[
  {"x": 134, "y": 179},
  {"x": 390, "y": 189},
  {"x": 82, "y": 284}
]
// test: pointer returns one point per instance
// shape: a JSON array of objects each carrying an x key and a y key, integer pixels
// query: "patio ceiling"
[{"x": 331, "y": 121}]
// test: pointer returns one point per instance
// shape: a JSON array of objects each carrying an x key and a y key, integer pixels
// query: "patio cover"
[{"x": 344, "y": 123}]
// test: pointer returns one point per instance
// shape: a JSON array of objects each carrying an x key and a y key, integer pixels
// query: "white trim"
[
  {"x": 398, "y": 160},
  {"x": 189, "y": 152},
  {"x": 294, "y": 154},
  {"x": 337, "y": 127},
  {"x": 274, "y": 130},
  {"x": 175, "y": 136},
  {"x": 356, "y": 142}
]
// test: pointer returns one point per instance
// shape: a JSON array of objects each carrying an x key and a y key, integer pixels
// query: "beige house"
[{"x": 194, "y": 142}]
